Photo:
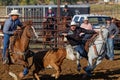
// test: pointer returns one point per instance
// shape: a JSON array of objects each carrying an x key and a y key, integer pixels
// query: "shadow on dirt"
[
  {"x": 108, "y": 75},
  {"x": 63, "y": 77}
]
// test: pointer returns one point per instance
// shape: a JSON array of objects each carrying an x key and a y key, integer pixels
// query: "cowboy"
[
  {"x": 72, "y": 35},
  {"x": 113, "y": 31},
  {"x": 9, "y": 30}
]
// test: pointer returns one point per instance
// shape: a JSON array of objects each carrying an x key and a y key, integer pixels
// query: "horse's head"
[
  {"x": 70, "y": 52},
  {"x": 29, "y": 29},
  {"x": 104, "y": 32}
]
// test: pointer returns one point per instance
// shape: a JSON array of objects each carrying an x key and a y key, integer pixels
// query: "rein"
[{"x": 94, "y": 45}]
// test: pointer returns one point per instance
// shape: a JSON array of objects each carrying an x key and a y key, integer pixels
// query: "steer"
[{"x": 51, "y": 59}]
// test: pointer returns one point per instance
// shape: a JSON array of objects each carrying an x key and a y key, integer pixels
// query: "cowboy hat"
[
  {"x": 73, "y": 23},
  {"x": 85, "y": 18},
  {"x": 14, "y": 12},
  {"x": 50, "y": 7}
]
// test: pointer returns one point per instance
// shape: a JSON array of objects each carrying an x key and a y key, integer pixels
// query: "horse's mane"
[{"x": 20, "y": 32}]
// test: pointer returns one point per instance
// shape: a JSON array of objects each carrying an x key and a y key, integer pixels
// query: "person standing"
[
  {"x": 67, "y": 13},
  {"x": 9, "y": 30},
  {"x": 66, "y": 16},
  {"x": 86, "y": 25},
  {"x": 50, "y": 14},
  {"x": 113, "y": 31}
]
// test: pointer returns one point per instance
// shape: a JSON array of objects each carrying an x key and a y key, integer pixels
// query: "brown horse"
[
  {"x": 20, "y": 46},
  {"x": 52, "y": 58}
]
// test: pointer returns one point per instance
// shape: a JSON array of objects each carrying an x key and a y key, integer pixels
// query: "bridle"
[
  {"x": 103, "y": 39},
  {"x": 34, "y": 32}
]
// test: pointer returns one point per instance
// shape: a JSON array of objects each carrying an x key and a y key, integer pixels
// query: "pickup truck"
[{"x": 97, "y": 21}]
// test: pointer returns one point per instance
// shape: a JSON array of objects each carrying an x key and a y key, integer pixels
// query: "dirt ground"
[{"x": 107, "y": 70}]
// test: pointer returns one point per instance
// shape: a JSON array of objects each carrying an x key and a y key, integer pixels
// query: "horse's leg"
[
  {"x": 90, "y": 62},
  {"x": 89, "y": 68},
  {"x": 98, "y": 59},
  {"x": 57, "y": 68},
  {"x": 97, "y": 62},
  {"x": 18, "y": 59},
  {"x": 36, "y": 70},
  {"x": 78, "y": 61},
  {"x": 92, "y": 65},
  {"x": 7, "y": 70},
  {"x": 36, "y": 76},
  {"x": 13, "y": 75},
  {"x": 25, "y": 70}
]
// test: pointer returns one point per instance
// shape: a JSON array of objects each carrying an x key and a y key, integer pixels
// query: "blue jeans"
[
  {"x": 80, "y": 49},
  {"x": 5, "y": 46},
  {"x": 110, "y": 48},
  {"x": 86, "y": 37}
]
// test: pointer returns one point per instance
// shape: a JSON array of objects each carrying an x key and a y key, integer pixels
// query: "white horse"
[{"x": 97, "y": 50}]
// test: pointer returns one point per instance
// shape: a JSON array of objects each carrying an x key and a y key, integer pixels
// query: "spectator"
[
  {"x": 50, "y": 15},
  {"x": 67, "y": 13},
  {"x": 67, "y": 16},
  {"x": 113, "y": 31},
  {"x": 72, "y": 35},
  {"x": 51, "y": 24},
  {"x": 88, "y": 26},
  {"x": 9, "y": 30}
]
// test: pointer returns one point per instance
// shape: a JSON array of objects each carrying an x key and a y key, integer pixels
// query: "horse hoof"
[
  {"x": 21, "y": 75},
  {"x": 13, "y": 75},
  {"x": 53, "y": 75},
  {"x": 88, "y": 71}
]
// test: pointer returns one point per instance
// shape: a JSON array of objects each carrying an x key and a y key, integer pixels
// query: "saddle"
[{"x": 89, "y": 41}]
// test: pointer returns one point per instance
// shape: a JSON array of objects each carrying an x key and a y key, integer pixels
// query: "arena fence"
[{"x": 46, "y": 40}]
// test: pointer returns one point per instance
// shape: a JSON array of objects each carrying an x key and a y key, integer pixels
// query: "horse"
[
  {"x": 94, "y": 47},
  {"x": 20, "y": 47},
  {"x": 97, "y": 51},
  {"x": 52, "y": 58}
]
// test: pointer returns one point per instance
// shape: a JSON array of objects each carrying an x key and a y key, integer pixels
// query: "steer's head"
[{"x": 70, "y": 53}]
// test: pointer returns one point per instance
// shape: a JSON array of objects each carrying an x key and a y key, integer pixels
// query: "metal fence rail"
[{"x": 42, "y": 43}]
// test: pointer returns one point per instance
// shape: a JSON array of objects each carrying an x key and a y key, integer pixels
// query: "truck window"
[
  {"x": 76, "y": 19},
  {"x": 93, "y": 20}
]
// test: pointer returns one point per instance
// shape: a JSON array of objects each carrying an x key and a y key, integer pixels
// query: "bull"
[{"x": 51, "y": 59}]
